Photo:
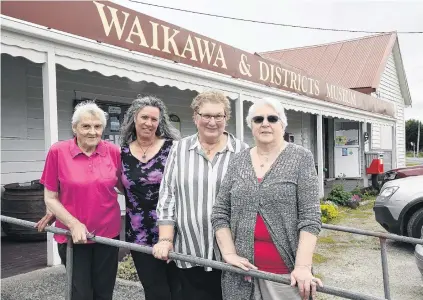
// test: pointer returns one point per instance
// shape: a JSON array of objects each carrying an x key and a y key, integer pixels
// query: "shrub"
[
  {"x": 370, "y": 194},
  {"x": 357, "y": 191},
  {"x": 126, "y": 269},
  {"x": 354, "y": 201},
  {"x": 338, "y": 195},
  {"x": 329, "y": 212}
]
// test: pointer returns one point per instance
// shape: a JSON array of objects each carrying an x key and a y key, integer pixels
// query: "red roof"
[{"x": 355, "y": 64}]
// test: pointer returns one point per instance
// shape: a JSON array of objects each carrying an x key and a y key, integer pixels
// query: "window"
[{"x": 347, "y": 133}]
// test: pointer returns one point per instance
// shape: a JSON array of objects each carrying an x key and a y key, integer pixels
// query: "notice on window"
[
  {"x": 341, "y": 140},
  {"x": 114, "y": 110},
  {"x": 344, "y": 151}
]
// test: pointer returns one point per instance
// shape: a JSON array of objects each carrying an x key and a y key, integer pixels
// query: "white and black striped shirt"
[{"x": 188, "y": 191}]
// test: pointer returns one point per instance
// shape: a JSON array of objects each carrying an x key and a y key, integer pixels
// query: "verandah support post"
[
  {"x": 320, "y": 165},
  {"x": 239, "y": 116},
  {"x": 365, "y": 148},
  {"x": 69, "y": 268},
  {"x": 51, "y": 132}
]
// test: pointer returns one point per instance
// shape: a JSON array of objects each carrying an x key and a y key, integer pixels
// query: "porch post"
[
  {"x": 320, "y": 173},
  {"x": 239, "y": 116},
  {"x": 394, "y": 146},
  {"x": 51, "y": 134},
  {"x": 365, "y": 148}
]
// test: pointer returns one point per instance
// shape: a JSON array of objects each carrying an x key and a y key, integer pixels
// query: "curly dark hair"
[{"x": 165, "y": 128}]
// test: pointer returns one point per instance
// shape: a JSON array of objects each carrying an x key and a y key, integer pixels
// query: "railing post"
[
  {"x": 386, "y": 287},
  {"x": 69, "y": 268}
]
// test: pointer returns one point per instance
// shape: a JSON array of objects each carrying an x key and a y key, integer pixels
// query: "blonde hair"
[{"x": 212, "y": 97}]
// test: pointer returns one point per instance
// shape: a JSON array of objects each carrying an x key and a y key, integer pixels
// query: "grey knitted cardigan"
[{"x": 287, "y": 199}]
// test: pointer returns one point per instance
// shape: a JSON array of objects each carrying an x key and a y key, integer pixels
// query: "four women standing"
[{"x": 171, "y": 187}]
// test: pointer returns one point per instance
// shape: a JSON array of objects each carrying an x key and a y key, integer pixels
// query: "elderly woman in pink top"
[{"x": 80, "y": 176}]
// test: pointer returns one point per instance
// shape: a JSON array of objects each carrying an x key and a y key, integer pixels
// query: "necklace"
[
  {"x": 144, "y": 156},
  {"x": 210, "y": 149},
  {"x": 262, "y": 163},
  {"x": 266, "y": 157}
]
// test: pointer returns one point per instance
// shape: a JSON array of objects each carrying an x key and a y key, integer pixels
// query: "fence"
[{"x": 225, "y": 267}]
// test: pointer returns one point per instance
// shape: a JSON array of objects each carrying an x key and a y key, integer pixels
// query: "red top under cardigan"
[{"x": 266, "y": 255}]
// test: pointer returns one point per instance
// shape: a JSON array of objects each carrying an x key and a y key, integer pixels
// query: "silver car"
[
  {"x": 399, "y": 206},
  {"x": 419, "y": 256}
]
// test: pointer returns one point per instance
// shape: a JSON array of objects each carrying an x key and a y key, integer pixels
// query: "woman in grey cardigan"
[{"x": 267, "y": 212}]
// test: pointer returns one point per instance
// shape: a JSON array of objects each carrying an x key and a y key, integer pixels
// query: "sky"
[{"x": 396, "y": 15}]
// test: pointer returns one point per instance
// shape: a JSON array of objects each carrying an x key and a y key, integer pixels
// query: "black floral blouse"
[{"x": 142, "y": 182}]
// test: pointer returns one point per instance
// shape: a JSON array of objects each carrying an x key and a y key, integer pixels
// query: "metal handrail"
[
  {"x": 383, "y": 249},
  {"x": 219, "y": 265}
]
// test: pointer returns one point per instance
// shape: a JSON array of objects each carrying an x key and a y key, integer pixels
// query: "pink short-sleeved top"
[{"x": 85, "y": 185}]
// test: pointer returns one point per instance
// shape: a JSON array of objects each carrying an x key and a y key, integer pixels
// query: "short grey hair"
[
  {"x": 88, "y": 107},
  {"x": 212, "y": 96},
  {"x": 165, "y": 128},
  {"x": 277, "y": 106}
]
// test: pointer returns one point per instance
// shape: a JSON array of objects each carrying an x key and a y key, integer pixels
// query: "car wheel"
[
  {"x": 377, "y": 181},
  {"x": 414, "y": 226}
]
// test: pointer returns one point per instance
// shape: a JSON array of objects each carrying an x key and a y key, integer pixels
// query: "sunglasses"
[{"x": 270, "y": 119}]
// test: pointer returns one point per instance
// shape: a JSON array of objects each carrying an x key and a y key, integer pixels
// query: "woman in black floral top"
[
  {"x": 142, "y": 182},
  {"x": 147, "y": 137}
]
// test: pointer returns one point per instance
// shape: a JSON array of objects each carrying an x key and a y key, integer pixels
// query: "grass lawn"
[{"x": 412, "y": 164}]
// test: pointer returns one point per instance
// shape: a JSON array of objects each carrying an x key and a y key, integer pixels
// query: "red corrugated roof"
[{"x": 357, "y": 63}]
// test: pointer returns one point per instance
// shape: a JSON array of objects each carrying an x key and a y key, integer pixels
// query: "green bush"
[
  {"x": 369, "y": 194},
  {"x": 338, "y": 195},
  {"x": 126, "y": 269},
  {"x": 329, "y": 212},
  {"x": 357, "y": 191}
]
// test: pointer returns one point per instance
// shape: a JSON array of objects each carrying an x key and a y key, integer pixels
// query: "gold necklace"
[
  {"x": 267, "y": 157},
  {"x": 209, "y": 149},
  {"x": 144, "y": 156}
]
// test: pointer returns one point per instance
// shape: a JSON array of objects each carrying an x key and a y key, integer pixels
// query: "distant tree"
[{"x": 411, "y": 127}]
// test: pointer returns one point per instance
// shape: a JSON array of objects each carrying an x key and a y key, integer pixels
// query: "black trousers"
[
  {"x": 199, "y": 284},
  {"x": 159, "y": 279},
  {"x": 94, "y": 270}
]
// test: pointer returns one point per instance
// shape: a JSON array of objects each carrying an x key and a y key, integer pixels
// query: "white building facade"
[{"x": 45, "y": 72}]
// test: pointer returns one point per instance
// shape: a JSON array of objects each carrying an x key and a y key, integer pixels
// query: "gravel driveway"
[{"x": 353, "y": 262}]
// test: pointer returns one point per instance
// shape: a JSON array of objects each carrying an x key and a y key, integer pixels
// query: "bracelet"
[
  {"x": 303, "y": 266},
  {"x": 165, "y": 240}
]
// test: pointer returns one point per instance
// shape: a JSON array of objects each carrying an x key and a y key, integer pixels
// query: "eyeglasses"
[
  {"x": 271, "y": 119},
  {"x": 207, "y": 117}
]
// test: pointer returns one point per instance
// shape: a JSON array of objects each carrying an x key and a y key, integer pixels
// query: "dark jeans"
[
  {"x": 199, "y": 284},
  {"x": 94, "y": 270},
  {"x": 159, "y": 279}
]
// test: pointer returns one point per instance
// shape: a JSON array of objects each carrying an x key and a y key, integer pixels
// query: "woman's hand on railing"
[
  {"x": 79, "y": 232},
  {"x": 238, "y": 261},
  {"x": 47, "y": 220},
  {"x": 162, "y": 248},
  {"x": 306, "y": 282}
]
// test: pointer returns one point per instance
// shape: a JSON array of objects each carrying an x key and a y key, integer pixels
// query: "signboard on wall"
[{"x": 113, "y": 24}]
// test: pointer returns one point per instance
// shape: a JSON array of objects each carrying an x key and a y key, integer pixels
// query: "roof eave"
[
  {"x": 402, "y": 77},
  {"x": 382, "y": 65}
]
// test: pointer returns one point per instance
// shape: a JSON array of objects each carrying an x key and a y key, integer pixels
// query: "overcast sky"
[{"x": 360, "y": 15}]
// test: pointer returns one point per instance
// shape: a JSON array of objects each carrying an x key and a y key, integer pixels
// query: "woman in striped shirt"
[{"x": 192, "y": 178}]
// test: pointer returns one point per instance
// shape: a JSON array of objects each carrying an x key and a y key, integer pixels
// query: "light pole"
[{"x": 414, "y": 148}]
